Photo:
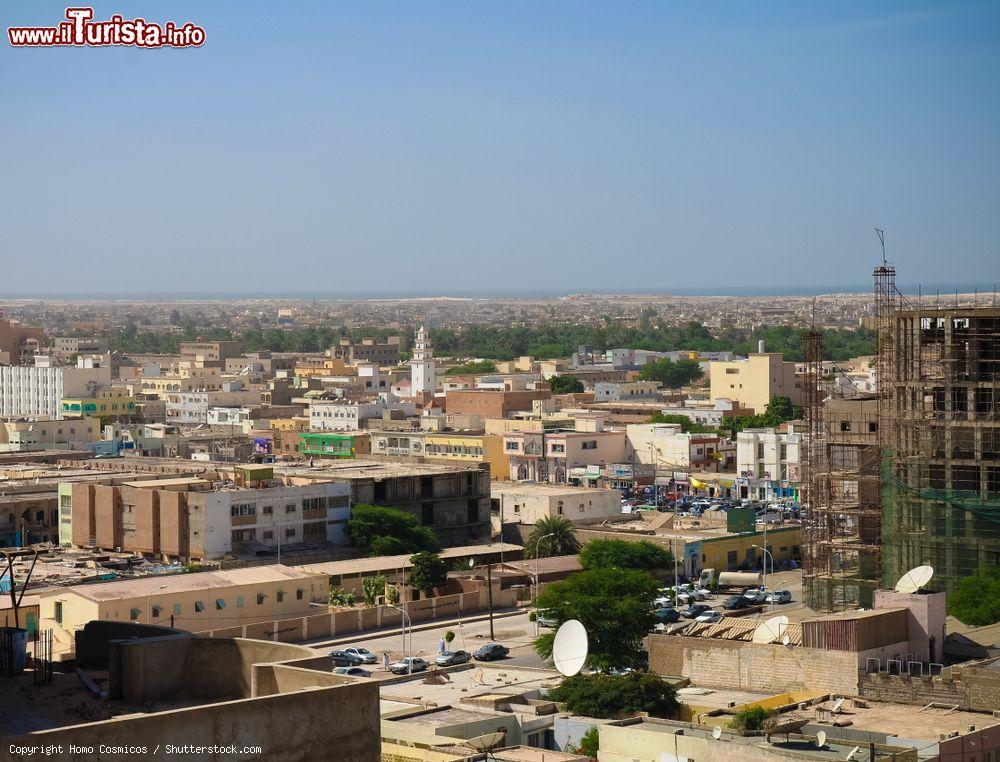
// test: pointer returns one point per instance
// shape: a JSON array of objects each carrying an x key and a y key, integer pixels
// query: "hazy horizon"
[{"x": 453, "y": 148}]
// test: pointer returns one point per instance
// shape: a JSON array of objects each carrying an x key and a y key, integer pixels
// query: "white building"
[
  {"x": 769, "y": 462},
  {"x": 422, "y": 372},
  {"x": 276, "y": 516},
  {"x": 36, "y": 390},
  {"x": 351, "y": 416},
  {"x": 526, "y": 503},
  {"x": 667, "y": 447},
  {"x": 634, "y": 390}
]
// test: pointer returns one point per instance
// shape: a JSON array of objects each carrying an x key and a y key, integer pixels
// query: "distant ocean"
[{"x": 748, "y": 291}]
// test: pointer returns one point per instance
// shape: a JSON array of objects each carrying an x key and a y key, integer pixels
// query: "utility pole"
[{"x": 489, "y": 595}]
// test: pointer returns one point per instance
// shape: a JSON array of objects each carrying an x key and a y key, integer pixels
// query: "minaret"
[{"x": 422, "y": 375}]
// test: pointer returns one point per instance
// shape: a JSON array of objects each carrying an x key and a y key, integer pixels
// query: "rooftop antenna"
[{"x": 881, "y": 239}]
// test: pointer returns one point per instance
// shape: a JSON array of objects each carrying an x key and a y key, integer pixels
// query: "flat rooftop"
[
  {"x": 177, "y": 583},
  {"x": 381, "y": 563},
  {"x": 469, "y": 683},
  {"x": 534, "y": 488},
  {"x": 912, "y": 721},
  {"x": 370, "y": 469}
]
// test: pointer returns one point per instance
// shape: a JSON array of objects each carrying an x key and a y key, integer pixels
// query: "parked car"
[
  {"x": 345, "y": 659},
  {"x": 408, "y": 665},
  {"x": 697, "y": 594},
  {"x": 449, "y": 658},
  {"x": 663, "y": 602},
  {"x": 779, "y": 596},
  {"x": 667, "y": 616},
  {"x": 756, "y": 595},
  {"x": 710, "y": 617},
  {"x": 352, "y": 671},
  {"x": 366, "y": 656},
  {"x": 737, "y": 602},
  {"x": 491, "y": 651},
  {"x": 545, "y": 619},
  {"x": 695, "y": 610}
]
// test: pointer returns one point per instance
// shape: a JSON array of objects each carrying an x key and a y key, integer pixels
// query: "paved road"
[{"x": 515, "y": 632}]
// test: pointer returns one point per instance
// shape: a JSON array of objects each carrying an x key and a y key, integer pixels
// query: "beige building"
[
  {"x": 666, "y": 447},
  {"x": 754, "y": 381},
  {"x": 195, "y": 602},
  {"x": 526, "y": 503},
  {"x": 46, "y": 433}
]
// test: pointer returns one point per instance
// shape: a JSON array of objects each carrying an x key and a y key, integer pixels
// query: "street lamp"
[
  {"x": 766, "y": 554},
  {"x": 149, "y": 607},
  {"x": 405, "y": 621},
  {"x": 537, "y": 544}
]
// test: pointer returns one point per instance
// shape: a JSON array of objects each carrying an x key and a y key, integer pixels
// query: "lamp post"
[
  {"x": 405, "y": 621},
  {"x": 537, "y": 544},
  {"x": 149, "y": 606},
  {"x": 766, "y": 554}
]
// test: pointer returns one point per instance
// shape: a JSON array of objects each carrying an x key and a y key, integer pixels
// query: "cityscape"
[{"x": 547, "y": 441}]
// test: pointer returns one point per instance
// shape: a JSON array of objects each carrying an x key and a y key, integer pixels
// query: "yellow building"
[
  {"x": 729, "y": 552},
  {"x": 299, "y": 423},
  {"x": 195, "y": 602},
  {"x": 754, "y": 381},
  {"x": 109, "y": 401},
  {"x": 326, "y": 367},
  {"x": 461, "y": 447}
]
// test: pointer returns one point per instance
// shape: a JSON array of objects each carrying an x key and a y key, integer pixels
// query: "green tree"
[
  {"x": 753, "y": 718},
  {"x": 590, "y": 743},
  {"x": 474, "y": 368},
  {"x": 779, "y": 410},
  {"x": 340, "y": 597},
  {"x": 615, "y": 696},
  {"x": 622, "y": 554},
  {"x": 565, "y": 385},
  {"x": 670, "y": 374},
  {"x": 381, "y": 531},
  {"x": 372, "y": 588},
  {"x": 449, "y": 636},
  {"x": 687, "y": 425},
  {"x": 614, "y": 605},
  {"x": 975, "y": 600},
  {"x": 428, "y": 572},
  {"x": 552, "y": 536}
]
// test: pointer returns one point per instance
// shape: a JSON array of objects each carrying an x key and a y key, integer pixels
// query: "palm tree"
[{"x": 560, "y": 540}]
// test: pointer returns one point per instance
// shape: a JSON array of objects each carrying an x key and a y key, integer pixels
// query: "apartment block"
[
  {"x": 666, "y": 447},
  {"x": 492, "y": 403},
  {"x": 18, "y": 342},
  {"x": 38, "y": 390},
  {"x": 769, "y": 461},
  {"x": 754, "y": 381}
]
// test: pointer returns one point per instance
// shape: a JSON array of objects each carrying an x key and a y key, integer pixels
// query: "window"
[
  {"x": 157, "y": 611},
  {"x": 59, "y": 612},
  {"x": 510, "y": 445},
  {"x": 517, "y": 508},
  {"x": 239, "y": 601},
  {"x": 220, "y": 604},
  {"x": 732, "y": 371},
  {"x": 177, "y": 609},
  {"x": 559, "y": 508},
  {"x": 784, "y": 452},
  {"x": 298, "y": 594},
  {"x": 281, "y": 596},
  {"x": 590, "y": 444},
  {"x": 290, "y": 508},
  {"x": 290, "y": 532},
  {"x": 133, "y": 614},
  {"x": 268, "y": 510},
  {"x": 311, "y": 504},
  {"x": 260, "y": 599},
  {"x": 243, "y": 509},
  {"x": 845, "y": 425},
  {"x": 199, "y": 606},
  {"x": 268, "y": 534},
  {"x": 760, "y": 451}
]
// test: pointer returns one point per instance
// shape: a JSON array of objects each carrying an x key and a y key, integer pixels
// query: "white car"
[
  {"x": 663, "y": 602},
  {"x": 779, "y": 596},
  {"x": 710, "y": 617}
]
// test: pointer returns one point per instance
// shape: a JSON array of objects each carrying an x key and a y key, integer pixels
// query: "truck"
[{"x": 732, "y": 579}]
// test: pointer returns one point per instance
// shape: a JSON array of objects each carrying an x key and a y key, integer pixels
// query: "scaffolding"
[{"x": 940, "y": 427}]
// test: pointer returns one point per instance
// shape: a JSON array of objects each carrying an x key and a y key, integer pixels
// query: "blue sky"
[{"x": 459, "y": 147}]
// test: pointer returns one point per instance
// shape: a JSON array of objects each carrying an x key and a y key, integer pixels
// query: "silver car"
[{"x": 366, "y": 656}]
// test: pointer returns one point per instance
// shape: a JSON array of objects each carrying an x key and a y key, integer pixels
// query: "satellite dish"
[
  {"x": 770, "y": 630},
  {"x": 487, "y": 742},
  {"x": 785, "y": 640},
  {"x": 851, "y": 753},
  {"x": 914, "y": 579},
  {"x": 716, "y": 732},
  {"x": 821, "y": 739},
  {"x": 569, "y": 649}
]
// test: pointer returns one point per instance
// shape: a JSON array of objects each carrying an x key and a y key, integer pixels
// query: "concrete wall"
[
  {"x": 335, "y": 722},
  {"x": 974, "y": 686},
  {"x": 750, "y": 666}
]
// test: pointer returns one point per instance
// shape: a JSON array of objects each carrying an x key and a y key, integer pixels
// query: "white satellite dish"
[
  {"x": 770, "y": 630},
  {"x": 914, "y": 579},
  {"x": 851, "y": 753},
  {"x": 569, "y": 649},
  {"x": 821, "y": 739},
  {"x": 716, "y": 732}
]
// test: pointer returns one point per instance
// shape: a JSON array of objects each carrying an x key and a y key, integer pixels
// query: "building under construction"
[{"x": 909, "y": 475}]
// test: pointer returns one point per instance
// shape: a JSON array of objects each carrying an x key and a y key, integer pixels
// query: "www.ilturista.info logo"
[{"x": 80, "y": 29}]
